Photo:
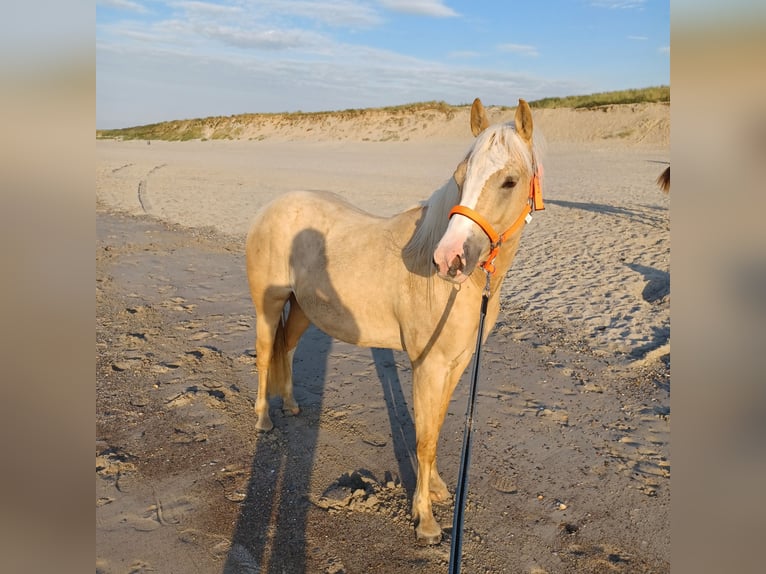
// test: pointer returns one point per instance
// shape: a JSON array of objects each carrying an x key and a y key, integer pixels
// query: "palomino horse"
[{"x": 372, "y": 281}]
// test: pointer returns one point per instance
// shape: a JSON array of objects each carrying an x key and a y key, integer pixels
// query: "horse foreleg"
[
  {"x": 431, "y": 396},
  {"x": 427, "y": 529},
  {"x": 428, "y": 395}
]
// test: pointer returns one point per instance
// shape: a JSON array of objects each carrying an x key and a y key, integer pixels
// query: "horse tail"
[
  {"x": 664, "y": 180},
  {"x": 279, "y": 369}
]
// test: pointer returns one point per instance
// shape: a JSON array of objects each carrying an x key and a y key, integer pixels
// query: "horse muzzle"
[{"x": 456, "y": 263}]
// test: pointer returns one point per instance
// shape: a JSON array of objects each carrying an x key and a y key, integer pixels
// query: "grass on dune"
[{"x": 638, "y": 96}]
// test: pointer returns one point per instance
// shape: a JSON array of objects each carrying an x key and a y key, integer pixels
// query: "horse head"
[{"x": 495, "y": 181}]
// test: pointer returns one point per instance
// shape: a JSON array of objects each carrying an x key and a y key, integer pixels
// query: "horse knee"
[{"x": 426, "y": 452}]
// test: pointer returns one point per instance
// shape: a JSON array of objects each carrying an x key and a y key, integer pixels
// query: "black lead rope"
[{"x": 458, "y": 517}]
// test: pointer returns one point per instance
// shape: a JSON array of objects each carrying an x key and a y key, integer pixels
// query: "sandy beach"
[{"x": 571, "y": 466}]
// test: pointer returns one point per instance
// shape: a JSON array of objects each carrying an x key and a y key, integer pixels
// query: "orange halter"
[{"x": 535, "y": 203}]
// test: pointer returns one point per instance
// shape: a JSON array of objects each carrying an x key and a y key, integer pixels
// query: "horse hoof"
[
  {"x": 291, "y": 411},
  {"x": 264, "y": 424},
  {"x": 428, "y": 537}
]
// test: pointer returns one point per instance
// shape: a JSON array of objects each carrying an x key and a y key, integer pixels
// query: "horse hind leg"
[
  {"x": 294, "y": 327},
  {"x": 275, "y": 343},
  {"x": 269, "y": 351},
  {"x": 264, "y": 343},
  {"x": 437, "y": 487}
]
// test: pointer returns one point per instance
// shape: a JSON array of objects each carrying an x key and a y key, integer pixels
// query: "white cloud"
[
  {"x": 664, "y": 49},
  {"x": 127, "y": 35},
  {"x": 176, "y": 85},
  {"x": 639, "y": 38},
  {"x": 123, "y": 5},
  {"x": 336, "y": 13},
  {"x": 435, "y": 8},
  {"x": 523, "y": 49},
  {"x": 463, "y": 54},
  {"x": 342, "y": 13},
  {"x": 194, "y": 58},
  {"x": 207, "y": 8},
  {"x": 266, "y": 38},
  {"x": 205, "y": 29}
]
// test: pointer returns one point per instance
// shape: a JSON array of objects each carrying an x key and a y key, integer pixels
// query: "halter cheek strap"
[{"x": 534, "y": 203}]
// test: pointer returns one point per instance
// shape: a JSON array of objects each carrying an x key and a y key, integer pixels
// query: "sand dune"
[{"x": 647, "y": 124}]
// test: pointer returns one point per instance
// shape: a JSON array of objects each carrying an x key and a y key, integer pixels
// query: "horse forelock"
[{"x": 493, "y": 149}]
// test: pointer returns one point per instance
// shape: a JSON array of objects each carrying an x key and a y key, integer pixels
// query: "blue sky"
[{"x": 160, "y": 60}]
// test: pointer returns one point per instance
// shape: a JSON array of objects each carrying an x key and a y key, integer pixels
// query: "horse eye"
[{"x": 509, "y": 183}]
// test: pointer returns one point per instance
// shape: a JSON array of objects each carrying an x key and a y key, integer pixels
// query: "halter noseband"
[{"x": 534, "y": 203}]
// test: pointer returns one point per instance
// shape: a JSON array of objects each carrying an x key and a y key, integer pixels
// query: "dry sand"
[{"x": 571, "y": 468}]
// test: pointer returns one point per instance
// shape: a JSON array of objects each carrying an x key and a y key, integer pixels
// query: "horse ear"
[
  {"x": 479, "y": 121},
  {"x": 523, "y": 121}
]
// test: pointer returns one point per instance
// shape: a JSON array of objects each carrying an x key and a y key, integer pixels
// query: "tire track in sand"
[{"x": 143, "y": 192}]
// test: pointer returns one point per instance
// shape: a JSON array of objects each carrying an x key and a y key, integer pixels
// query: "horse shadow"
[
  {"x": 657, "y": 282},
  {"x": 399, "y": 418},
  {"x": 655, "y": 292},
  {"x": 270, "y": 536},
  {"x": 636, "y": 215}
]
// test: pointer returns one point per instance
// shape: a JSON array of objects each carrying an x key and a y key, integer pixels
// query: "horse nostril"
[{"x": 455, "y": 266}]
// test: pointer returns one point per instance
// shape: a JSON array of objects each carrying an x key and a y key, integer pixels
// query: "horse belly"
[
  {"x": 332, "y": 250},
  {"x": 355, "y": 316}
]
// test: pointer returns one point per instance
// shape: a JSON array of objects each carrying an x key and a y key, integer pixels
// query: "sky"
[{"x": 159, "y": 60}]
